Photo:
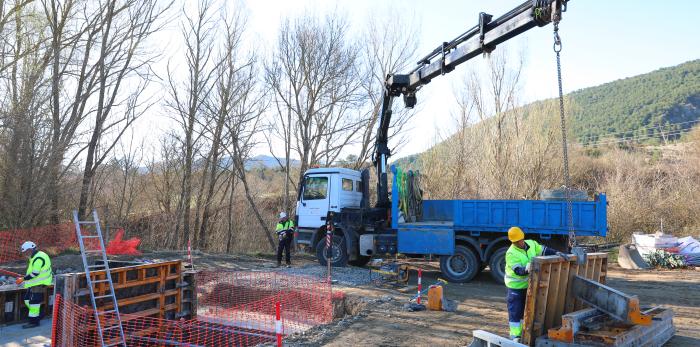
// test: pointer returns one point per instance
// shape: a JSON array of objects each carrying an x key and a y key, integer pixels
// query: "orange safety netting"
[
  {"x": 53, "y": 239},
  {"x": 119, "y": 246},
  {"x": 57, "y": 239},
  {"x": 233, "y": 309}
]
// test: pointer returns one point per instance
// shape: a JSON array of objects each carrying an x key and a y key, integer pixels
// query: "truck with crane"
[{"x": 467, "y": 235}]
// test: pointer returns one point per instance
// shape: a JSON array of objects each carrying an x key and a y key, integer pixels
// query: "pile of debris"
[{"x": 659, "y": 251}]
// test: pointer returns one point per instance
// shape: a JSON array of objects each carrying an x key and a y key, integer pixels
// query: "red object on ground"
[{"x": 118, "y": 246}]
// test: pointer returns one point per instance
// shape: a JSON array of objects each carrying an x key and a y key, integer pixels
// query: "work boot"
[{"x": 30, "y": 325}]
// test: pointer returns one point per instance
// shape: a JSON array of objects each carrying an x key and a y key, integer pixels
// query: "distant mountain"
[
  {"x": 648, "y": 108},
  {"x": 266, "y": 161},
  {"x": 658, "y": 105}
]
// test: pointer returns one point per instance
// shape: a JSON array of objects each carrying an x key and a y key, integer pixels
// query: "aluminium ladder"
[{"x": 111, "y": 318}]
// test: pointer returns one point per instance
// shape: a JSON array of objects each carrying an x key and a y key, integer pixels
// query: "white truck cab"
[{"x": 323, "y": 190}]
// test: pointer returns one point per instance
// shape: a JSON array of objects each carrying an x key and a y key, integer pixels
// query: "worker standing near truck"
[
  {"x": 38, "y": 277},
  {"x": 285, "y": 234},
  {"x": 518, "y": 261}
]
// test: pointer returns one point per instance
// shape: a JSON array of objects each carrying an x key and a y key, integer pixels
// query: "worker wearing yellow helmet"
[{"x": 518, "y": 259}]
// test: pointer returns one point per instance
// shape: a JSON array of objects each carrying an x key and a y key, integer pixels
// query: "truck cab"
[{"x": 323, "y": 190}]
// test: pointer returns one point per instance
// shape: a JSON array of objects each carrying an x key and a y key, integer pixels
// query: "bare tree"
[
  {"x": 124, "y": 26},
  {"x": 314, "y": 77},
  {"x": 234, "y": 74},
  {"x": 389, "y": 46},
  {"x": 187, "y": 100}
]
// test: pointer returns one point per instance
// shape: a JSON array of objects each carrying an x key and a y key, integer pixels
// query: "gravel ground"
[{"x": 345, "y": 276}]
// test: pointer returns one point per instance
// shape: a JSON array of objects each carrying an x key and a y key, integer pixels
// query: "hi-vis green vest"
[
  {"x": 289, "y": 224},
  {"x": 39, "y": 269},
  {"x": 515, "y": 257}
]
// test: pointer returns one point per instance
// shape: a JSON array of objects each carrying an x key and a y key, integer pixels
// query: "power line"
[{"x": 648, "y": 128}]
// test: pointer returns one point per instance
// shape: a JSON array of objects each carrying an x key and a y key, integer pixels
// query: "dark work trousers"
[
  {"x": 516, "y": 310},
  {"x": 33, "y": 298},
  {"x": 284, "y": 245}
]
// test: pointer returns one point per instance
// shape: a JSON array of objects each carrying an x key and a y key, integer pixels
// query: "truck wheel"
[
  {"x": 497, "y": 263},
  {"x": 460, "y": 267},
  {"x": 339, "y": 255},
  {"x": 360, "y": 261}
]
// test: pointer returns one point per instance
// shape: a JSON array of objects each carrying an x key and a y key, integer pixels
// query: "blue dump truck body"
[{"x": 445, "y": 220}]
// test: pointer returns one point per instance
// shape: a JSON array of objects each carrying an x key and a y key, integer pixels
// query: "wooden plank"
[
  {"x": 550, "y": 294},
  {"x": 541, "y": 303},
  {"x": 531, "y": 298},
  {"x": 553, "y": 294},
  {"x": 570, "y": 302},
  {"x": 563, "y": 293}
]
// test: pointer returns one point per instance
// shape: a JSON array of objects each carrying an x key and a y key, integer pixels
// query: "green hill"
[{"x": 648, "y": 107}]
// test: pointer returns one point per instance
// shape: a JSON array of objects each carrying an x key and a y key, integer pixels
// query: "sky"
[{"x": 602, "y": 40}]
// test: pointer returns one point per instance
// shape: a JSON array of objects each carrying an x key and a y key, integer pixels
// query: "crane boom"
[{"x": 480, "y": 39}]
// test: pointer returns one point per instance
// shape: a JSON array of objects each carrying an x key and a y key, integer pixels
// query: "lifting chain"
[{"x": 564, "y": 143}]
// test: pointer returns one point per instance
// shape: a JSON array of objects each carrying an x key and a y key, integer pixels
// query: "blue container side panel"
[
  {"x": 537, "y": 216},
  {"x": 436, "y": 241},
  {"x": 438, "y": 210}
]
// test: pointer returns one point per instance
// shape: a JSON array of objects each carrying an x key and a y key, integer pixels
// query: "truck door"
[{"x": 314, "y": 201}]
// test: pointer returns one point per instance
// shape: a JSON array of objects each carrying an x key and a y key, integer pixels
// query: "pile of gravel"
[{"x": 346, "y": 276}]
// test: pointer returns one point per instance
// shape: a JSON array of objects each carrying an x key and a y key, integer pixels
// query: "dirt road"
[{"x": 482, "y": 306}]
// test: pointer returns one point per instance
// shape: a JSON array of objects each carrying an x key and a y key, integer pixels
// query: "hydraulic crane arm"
[{"x": 482, "y": 38}]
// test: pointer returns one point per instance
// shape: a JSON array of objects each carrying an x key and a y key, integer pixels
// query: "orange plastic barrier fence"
[
  {"x": 234, "y": 309},
  {"x": 52, "y": 239}
]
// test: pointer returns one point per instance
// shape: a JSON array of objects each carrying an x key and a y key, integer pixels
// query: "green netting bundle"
[{"x": 663, "y": 259}]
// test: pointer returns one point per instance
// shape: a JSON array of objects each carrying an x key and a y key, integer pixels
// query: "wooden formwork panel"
[
  {"x": 549, "y": 294},
  {"x": 154, "y": 289},
  {"x": 13, "y": 310}
]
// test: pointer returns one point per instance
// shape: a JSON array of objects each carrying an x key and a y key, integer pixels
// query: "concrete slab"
[{"x": 15, "y": 336}]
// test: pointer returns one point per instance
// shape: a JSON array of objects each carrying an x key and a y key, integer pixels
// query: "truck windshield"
[{"x": 315, "y": 188}]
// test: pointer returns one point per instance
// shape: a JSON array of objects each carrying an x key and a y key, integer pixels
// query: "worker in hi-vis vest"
[
  {"x": 38, "y": 277},
  {"x": 285, "y": 235},
  {"x": 518, "y": 261}
]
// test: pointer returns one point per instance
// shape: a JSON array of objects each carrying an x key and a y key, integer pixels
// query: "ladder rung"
[
  {"x": 103, "y": 296},
  {"x": 111, "y": 327},
  {"x": 86, "y": 222},
  {"x": 99, "y": 281},
  {"x": 89, "y": 236},
  {"x": 96, "y": 266},
  {"x": 105, "y": 312},
  {"x": 114, "y": 344}
]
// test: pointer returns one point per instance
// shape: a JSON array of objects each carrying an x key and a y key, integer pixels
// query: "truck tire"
[
  {"x": 460, "y": 267},
  {"x": 497, "y": 264},
  {"x": 339, "y": 257},
  {"x": 360, "y": 261}
]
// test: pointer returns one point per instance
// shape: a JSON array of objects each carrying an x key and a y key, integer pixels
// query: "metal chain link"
[{"x": 564, "y": 143}]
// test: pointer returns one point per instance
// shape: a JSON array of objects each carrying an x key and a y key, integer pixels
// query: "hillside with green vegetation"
[{"x": 659, "y": 105}]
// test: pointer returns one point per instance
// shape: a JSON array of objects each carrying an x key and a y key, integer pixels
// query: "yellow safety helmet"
[{"x": 515, "y": 234}]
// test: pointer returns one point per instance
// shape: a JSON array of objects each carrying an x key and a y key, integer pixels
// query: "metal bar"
[
  {"x": 487, "y": 339},
  {"x": 617, "y": 304}
]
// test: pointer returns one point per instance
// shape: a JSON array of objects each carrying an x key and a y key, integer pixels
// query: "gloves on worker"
[
  {"x": 563, "y": 255},
  {"x": 527, "y": 267},
  {"x": 19, "y": 280}
]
